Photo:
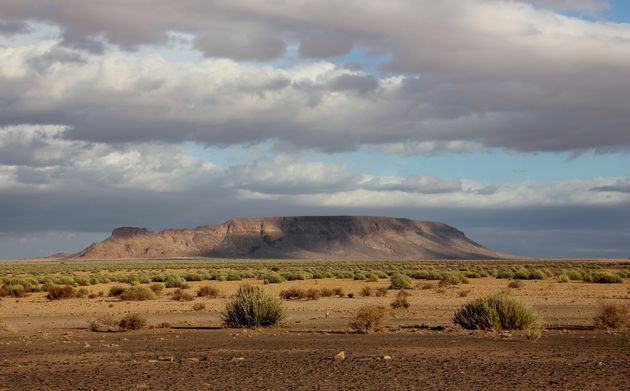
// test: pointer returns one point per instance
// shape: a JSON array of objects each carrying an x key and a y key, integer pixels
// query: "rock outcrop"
[{"x": 308, "y": 237}]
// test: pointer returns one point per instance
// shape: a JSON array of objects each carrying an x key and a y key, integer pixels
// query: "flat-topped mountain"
[{"x": 305, "y": 237}]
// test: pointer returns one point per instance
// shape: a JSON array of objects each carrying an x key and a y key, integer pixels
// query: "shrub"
[
  {"x": 607, "y": 278},
  {"x": 252, "y": 307},
  {"x": 381, "y": 291},
  {"x": 116, "y": 290},
  {"x": 199, "y": 307},
  {"x": 137, "y": 293},
  {"x": 208, "y": 291},
  {"x": 326, "y": 292},
  {"x": 157, "y": 287},
  {"x": 13, "y": 290},
  {"x": 350, "y": 295},
  {"x": 428, "y": 285},
  {"x": 504, "y": 274},
  {"x": 292, "y": 294},
  {"x": 400, "y": 281},
  {"x": 234, "y": 276},
  {"x": 366, "y": 291},
  {"x": 175, "y": 281},
  {"x": 338, "y": 292},
  {"x": 449, "y": 279},
  {"x": 61, "y": 292},
  {"x": 82, "y": 292},
  {"x": 612, "y": 316},
  {"x": 181, "y": 295},
  {"x": 313, "y": 294},
  {"x": 401, "y": 300},
  {"x": 132, "y": 322},
  {"x": 515, "y": 284},
  {"x": 368, "y": 318},
  {"x": 497, "y": 312},
  {"x": 372, "y": 277},
  {"x": 463, "y": 293},
  {"x": 563, "y": 278},
  {"x": 273, "y": 278}
]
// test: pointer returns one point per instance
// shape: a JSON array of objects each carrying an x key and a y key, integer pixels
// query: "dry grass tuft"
[
  {"x": 181, "y": 295},
  {"x": 132, "y": 322},
  {"x": 116, "y": 290},
  {"x": 61, "y": 292},
  {"x": 612, "y": 317},
  {"x": 368, "y": 318},
  {"x": 208, "y": 291},
  {"x": 137, "y": 293},
  {"x": 515, "y": 284},
  {"x": 400, "y": 301}
]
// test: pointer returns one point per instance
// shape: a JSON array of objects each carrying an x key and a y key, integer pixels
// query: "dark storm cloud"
[
  {"x": 324, "y": 45},
  {"x": 13, "y": 27},
  {"x": 362, "y": 84},
  {"x": 621, "y": 186},
  {"x": 255, "y": 48}
]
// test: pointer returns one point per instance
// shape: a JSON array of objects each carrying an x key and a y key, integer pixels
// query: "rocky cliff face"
[{"x": 318, "y": 237}]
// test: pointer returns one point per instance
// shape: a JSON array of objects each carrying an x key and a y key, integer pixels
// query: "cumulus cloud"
[{"x": 498, "y": 74}]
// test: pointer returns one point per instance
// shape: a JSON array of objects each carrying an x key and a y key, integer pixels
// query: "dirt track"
[{"x": 286, "y": 359}]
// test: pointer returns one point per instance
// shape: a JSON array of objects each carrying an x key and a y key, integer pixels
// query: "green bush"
[
  {"x": 13, "y": 290},
  {"x": 175, "y": 281},
  {"x": 372, "y": 277},
  {"x": 563, "y": 278},
  {"x": 252, "y": 307},
  {"x": 273, "y": 278},
  {"x": 400, "y": 281},
  {"x": 138, "y": 293},
  {"x": 606, "y": 278},
  {"x": 497, "y": 312},
  {"x": 449, "y": 279}
]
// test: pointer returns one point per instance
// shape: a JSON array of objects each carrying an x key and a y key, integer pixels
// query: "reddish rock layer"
[{"x": 308, "y": 237}]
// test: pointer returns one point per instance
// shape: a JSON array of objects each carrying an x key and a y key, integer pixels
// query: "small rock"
[
  {"x": 387, "y": 357},
  {"x": 340, "y": 356},
  {"x": 166, "y": 358},
  {"x": 238, "y": 359}
]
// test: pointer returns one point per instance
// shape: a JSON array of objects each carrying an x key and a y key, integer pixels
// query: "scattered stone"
[
  {"x": 238, "y": 359},
  {"x": 340, "y": 356},
  {"x": 387, "y": 357},
  {"x": 166, "y": 358}
]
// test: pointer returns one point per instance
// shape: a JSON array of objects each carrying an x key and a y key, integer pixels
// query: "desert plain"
[{"x": 49, "y": 344}]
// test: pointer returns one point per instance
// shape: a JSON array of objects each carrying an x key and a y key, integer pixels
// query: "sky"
[{"x": 507, "y": 119}]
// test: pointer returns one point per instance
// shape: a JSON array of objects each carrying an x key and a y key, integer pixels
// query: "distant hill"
[{"x": 306, "y": 237}]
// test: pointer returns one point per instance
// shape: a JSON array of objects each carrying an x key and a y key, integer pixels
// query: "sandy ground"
[{"x": 49, "y": 347}]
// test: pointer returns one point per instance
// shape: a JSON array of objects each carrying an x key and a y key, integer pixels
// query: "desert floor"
[{"x": 48, "y": 344}]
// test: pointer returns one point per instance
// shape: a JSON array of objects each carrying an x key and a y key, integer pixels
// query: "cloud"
[
  {"x": 592, "y": 7},
  {"x": 10, "y": 28},
  {"x": 618, "y": 186},
  {"x": 324, "y": 45}
]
